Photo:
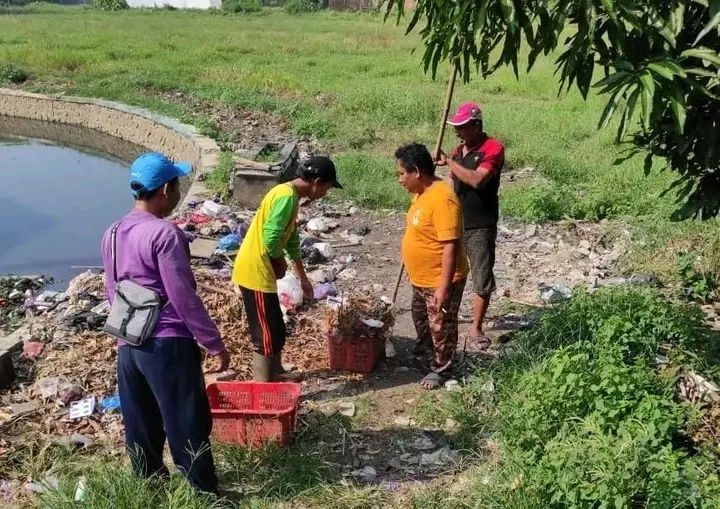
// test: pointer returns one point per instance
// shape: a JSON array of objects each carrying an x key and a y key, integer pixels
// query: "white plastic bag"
[
  {"x": 212, "y": 209},
  {"x": 290, "y": 292}
]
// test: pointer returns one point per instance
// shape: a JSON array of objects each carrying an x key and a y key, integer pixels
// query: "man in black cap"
[{"x": 261, "y": 261}]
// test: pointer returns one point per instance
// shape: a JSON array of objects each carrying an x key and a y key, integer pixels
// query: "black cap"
[{"x": 321, "y": 167}]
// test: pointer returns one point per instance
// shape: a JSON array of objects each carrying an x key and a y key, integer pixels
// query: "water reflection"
[{"x": 55, "y": 202}]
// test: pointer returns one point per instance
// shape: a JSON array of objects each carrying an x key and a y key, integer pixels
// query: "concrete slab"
[{"x": 8, "y": 345}]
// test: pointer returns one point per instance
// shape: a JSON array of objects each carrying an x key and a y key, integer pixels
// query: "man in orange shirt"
[{"x": 434, "y": 258}]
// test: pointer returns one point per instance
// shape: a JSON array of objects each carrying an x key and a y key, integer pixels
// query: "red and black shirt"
[{"x": 480, "y": 207}]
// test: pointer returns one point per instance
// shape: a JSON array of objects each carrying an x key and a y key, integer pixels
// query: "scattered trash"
[
  {"x": 212, "y": 209},
  {"x": 290, "y": 292},
  {"x": 555, "y": 293},
  {"x": 69, "y": 393},
  {"x": 325, "y": 249},
  {"x": 375, "y": 324},
  {"x": 360, "y": 231},
  {"x": 318, "y": 225},
  {"x": 440, "y": 457},
  {"x": 390, "y": 351},
  {"x": 452, "y": 385},
  {"x": 346, "y": 408},
  {"x": 347, "y": 274},
  {"x": 110, "y": 403},
  {"x": 390, "y": 486},
  {"x": 401, "y": 369},
  {"x": 48, "y": 386},
  {"x": 80, "y": 490},
  {"x": 203, "y": 248},
  {"x": 199, "y": 218},
  {"x": 32, "y": 349},
  {"x": 367, "y": 474},
  {"x": 423, "y": 444},
  {"x": 352, "y": 240},
  {"x": 225, "y": 376},
  {"x": 229, "y": 242},
  {"x": 6, "y": 494},
  {"x": 82, "y": 408},
  {"x": 81, "y": 440},
  {"x": 48, "y": 483},
  {"x": 324, "y": 290},
  {"x": 402, "y": 421},
  {"x": 101, "y": 309},
  {"x": 24, "y": 408},
  {"x": 307, "y": 241}
]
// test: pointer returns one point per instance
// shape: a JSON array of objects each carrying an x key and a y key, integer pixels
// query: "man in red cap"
[{"x": 475, "y": 166}]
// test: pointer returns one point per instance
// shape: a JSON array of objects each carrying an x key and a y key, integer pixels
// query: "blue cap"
[{"x": 152, "y": 170}]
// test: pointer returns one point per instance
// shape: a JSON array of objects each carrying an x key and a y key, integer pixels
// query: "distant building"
[{"x": 178, "y": 4}]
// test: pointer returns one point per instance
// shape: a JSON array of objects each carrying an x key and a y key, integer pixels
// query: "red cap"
[{"x": 465, "y": 113}]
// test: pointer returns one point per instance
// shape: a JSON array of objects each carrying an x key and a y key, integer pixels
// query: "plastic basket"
[
  {"x": 359, "y": 355},
  {"x": 253, "y": 413}
]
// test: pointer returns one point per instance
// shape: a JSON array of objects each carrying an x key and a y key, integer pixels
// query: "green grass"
[
  {"x": 583, "y": 415},
  {"x": 348, "y": 80}
]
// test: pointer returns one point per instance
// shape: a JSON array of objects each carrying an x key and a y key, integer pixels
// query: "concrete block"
[
  {"x": 250, "y": 186},
  {"x": 7, "y": 370}
]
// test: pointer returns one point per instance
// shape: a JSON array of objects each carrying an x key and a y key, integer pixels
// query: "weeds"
[
  {"x": 10, "y": 73},
  {"x": 241, "y": 6},
  {"x": 697, "y": 286},
  {"x": 220, "y": 180},
  {"x": 301, "y": 6},
  {"x": 110, "y": 5}
]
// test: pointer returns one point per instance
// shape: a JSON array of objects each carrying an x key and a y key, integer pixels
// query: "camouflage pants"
[{"x": 437, "y": 328}]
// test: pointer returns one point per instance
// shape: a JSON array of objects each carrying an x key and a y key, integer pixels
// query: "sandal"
[
  {"x": 432, "y": 381},
  {"x": 479, "y": 343}
]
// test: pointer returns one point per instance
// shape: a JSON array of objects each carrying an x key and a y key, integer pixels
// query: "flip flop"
[{"x": 479, "y": 343}]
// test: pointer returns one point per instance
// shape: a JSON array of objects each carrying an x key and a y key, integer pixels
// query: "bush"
[
  {"x": 301, "y": 6},
  {"x": 12, "y": 74},
  {"x": 235, "y": 6},
  {"x": 585, "y": 416},
  {"x": 110, "y": 5}
]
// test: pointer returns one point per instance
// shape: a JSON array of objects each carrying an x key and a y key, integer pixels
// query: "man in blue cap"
[{"x": 161, "y": 384}]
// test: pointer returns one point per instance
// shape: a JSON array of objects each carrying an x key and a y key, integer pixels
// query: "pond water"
[{"x": 55, "y": 203}]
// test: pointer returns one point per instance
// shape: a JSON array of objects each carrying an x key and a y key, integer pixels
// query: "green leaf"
[
  {"x": 679, "y": 109},
  {"x": 647, "y": 166},
  {"x": 703, "y": 72},
  {"x": 667, "y": 69},
  {"x": 628, "y": 112},
  {"x": 648, "y": 96},
  {"x": 714, "y": 22},
  {"x": 703, "y": 53},
  {"x": 610, "y": 9},
  {"x": 612, "y": 80},
  {"x": 611, "y": 106}
]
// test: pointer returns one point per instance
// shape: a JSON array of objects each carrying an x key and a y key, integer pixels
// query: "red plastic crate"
[
  {"x": 359, "y": 355},
  {"x": 253, "y": 413}
]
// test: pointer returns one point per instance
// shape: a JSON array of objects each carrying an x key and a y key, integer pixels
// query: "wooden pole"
[{"x": 436, "y": 154}]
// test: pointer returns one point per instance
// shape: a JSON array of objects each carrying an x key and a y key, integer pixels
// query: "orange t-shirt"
[{"x": 434, "y": 217}]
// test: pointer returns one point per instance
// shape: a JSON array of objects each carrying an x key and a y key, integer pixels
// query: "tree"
[{"x": 659, "y": 61}]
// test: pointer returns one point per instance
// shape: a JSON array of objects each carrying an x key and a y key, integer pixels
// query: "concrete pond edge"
[{"x": 139, "y": 127}]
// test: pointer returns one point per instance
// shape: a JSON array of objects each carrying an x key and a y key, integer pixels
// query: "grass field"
[{"x": 349, "y": 80}]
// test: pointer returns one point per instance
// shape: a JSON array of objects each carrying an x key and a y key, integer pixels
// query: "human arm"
[
  {"x": 492, "y": 161},
  {"x": 177, "y": 278},
  {"x": 447, "y": 219},
  {"x": 449, "y": 261},
  {"x": 282, "y": 213}
]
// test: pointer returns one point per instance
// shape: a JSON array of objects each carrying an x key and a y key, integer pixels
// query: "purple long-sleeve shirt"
[{"x": 155, "y": 253}]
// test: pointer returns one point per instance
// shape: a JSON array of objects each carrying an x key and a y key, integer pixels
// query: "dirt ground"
[{"x": 385, "y": 445}]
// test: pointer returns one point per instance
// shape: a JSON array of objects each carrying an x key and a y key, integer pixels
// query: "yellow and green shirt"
[{"x": 272, "y": 231}]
